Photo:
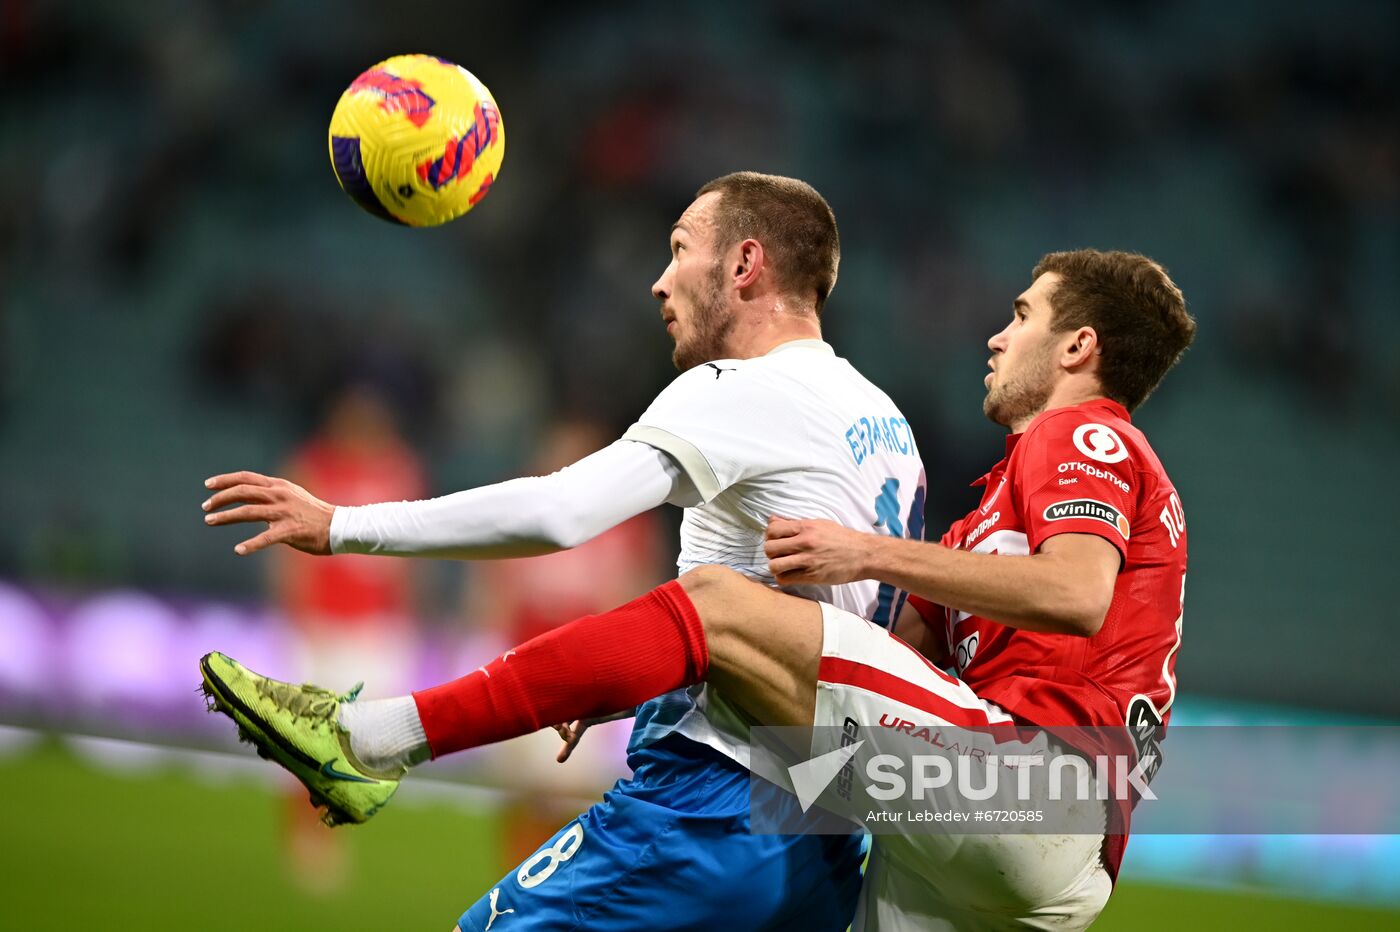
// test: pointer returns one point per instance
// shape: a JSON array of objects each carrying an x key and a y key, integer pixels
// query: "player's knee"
[
  {"x": 720, "y": 596},
  {"x": 712, "y": 584}
]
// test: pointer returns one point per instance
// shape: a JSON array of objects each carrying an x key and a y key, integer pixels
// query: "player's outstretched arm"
[
  {"x": 1064, "y": 588},
  {"x": 519, "y": 518}
]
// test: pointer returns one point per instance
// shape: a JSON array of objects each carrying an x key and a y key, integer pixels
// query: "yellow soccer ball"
[{"x": 417, "y": 140}]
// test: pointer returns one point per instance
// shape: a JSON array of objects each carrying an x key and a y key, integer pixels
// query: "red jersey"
[{"x": 1082, "y": 470}]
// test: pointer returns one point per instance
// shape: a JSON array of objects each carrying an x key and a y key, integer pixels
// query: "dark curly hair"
[{"x": 1137, "y": 311}]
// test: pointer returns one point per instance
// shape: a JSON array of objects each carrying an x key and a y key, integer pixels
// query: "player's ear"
[
  {"x": 749, "y": 263},
  {"x": 1081, "y": 348}
]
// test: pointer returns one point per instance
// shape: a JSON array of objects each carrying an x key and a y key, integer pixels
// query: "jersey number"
[
  {"x": 890, "y": 600},
  {"x": 546, "y": 861}
]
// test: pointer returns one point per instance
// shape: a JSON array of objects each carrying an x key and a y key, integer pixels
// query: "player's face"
[
  {"x": 694, "y": 303},
  {"x": 1023, "y": 358}
]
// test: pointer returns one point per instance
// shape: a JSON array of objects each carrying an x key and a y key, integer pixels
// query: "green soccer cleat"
[{"x": 297, "y": 727}]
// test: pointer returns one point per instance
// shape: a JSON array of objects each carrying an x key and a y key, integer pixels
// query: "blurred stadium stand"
[{"x": 183, "y": 284}]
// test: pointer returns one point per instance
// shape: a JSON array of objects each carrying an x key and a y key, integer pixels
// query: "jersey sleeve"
[
  {"x": 724, "y": 422},
  {"x": 1076, "y": 476}
]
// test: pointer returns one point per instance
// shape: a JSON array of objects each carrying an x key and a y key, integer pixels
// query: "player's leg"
[
  {"x": 876, "y": 690},
  {"x": 759, "y": 646},
  {"x": 983, "y": 882},
  {"x": 351, "y": 756},
  {"x": 792, "y": 662},
  {"x": 766, "y": 646},
  {"x": 635, "y": 861}
]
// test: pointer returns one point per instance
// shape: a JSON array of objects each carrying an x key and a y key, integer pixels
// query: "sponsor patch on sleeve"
[
  {"x": 1101, "y": 443},
  {"x": 1091, "y": 509}
]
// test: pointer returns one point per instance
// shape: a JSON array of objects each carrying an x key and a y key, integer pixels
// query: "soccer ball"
[{"x": 417, "y": 140}]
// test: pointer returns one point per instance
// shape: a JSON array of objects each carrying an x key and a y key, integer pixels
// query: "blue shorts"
[{"x": 670, "y": 849}]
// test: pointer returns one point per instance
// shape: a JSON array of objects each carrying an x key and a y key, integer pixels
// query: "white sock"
[{"x": 386, "y": 734}]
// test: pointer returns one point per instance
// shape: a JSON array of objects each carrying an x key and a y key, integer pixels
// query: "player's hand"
[
  {"x": 815, "y": 550},
  {"x": 572, "y": 734},
  {"x": 294, "y": 516}
]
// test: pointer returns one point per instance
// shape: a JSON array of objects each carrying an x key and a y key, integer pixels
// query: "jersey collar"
[
  {"x": 1107, "y": 405},
  {"x": 820, "y": 346},
  {"x": 1103, "y": 404}
]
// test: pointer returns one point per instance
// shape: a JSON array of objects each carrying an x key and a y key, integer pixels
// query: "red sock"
[{"x": 594, "y": 666}]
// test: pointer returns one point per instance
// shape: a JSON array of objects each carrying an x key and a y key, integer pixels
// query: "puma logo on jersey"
[
  {"x": 718, "y": 370},
  {"x": 495, "y": 896}
]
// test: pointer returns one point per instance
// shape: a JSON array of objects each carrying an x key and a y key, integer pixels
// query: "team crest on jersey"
[
  {"x": 966, "y": 650},
  {"x": 1090, "y": 508},
  {"x": 1100, "y": 443}
]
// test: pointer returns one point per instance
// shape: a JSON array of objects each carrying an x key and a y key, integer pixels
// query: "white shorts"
[{"x": 937, "y": 880}]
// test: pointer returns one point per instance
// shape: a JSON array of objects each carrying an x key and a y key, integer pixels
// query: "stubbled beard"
[
  {"x": 1025, "y": 394},
  {"x": 710, "y": 325}
]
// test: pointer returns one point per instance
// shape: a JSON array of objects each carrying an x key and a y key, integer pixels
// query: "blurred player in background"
[
  {"x": 764, "y": 419},
  {"x": 352, "y": 619},
  {"x": 516, "y": 600}
]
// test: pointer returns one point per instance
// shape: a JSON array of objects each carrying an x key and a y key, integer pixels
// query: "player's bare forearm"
[
  {"x": 1053, "y": 591},
  {"x": 1066, "y": 588},
  {"x": 294, "y": 516}
]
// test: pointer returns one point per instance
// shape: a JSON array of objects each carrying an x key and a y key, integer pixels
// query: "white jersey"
[{"x": 798, "y": 433}]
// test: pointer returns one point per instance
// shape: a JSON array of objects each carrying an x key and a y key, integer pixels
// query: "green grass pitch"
[{"x": 83, "y": 848}]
